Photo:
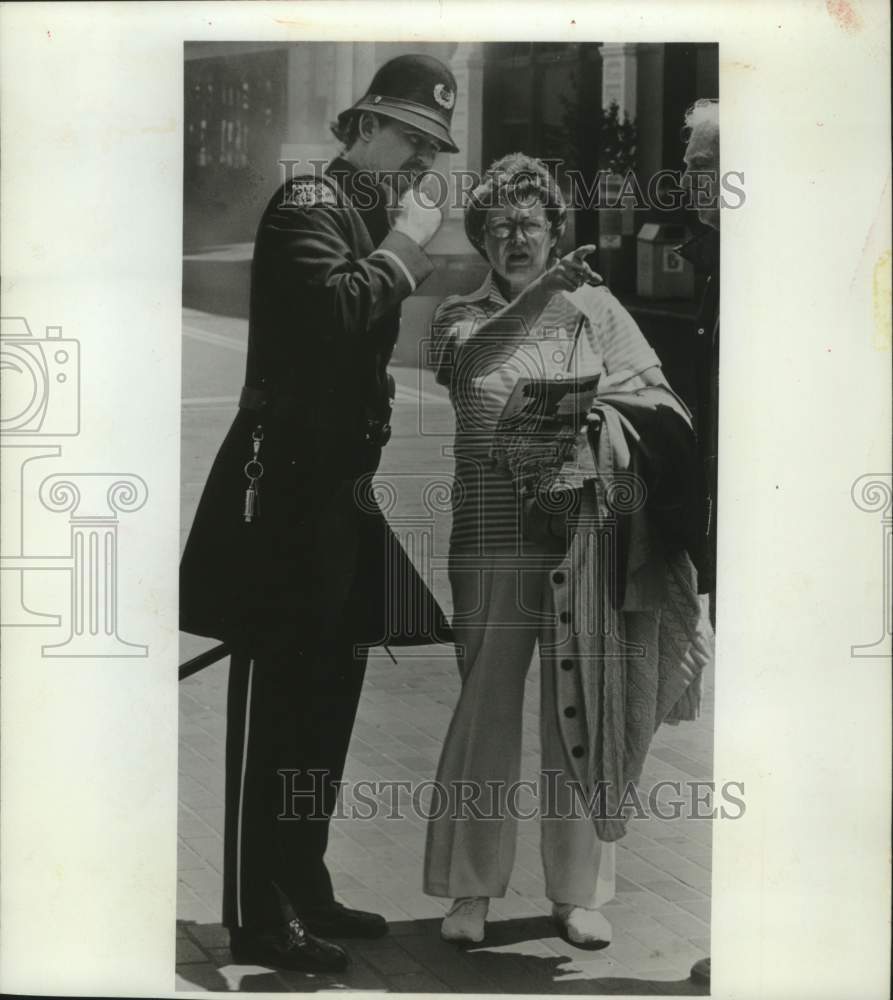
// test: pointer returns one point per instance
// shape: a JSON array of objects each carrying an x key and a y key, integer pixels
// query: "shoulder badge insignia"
[{"x": 307, "y": 192}]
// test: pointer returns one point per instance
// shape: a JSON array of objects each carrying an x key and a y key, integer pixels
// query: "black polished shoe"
[
  {"x": 287, "y": 947},
  {"x": 338, "y": 921}
]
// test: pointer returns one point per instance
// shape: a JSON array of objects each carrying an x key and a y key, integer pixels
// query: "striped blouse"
[{"x": 581, "y": 333}]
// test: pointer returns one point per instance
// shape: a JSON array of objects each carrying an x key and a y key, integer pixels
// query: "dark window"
[
  {"x": 542, "y": 98},
  {"x": 234, "y": 117}
]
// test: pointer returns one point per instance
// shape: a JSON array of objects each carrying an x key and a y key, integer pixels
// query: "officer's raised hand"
[{"x": 417, "y": 217}]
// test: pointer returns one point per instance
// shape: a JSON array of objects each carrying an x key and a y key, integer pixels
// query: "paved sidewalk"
[
  {"x": 660, "y": 916},
  {"x": 662, "y": 909}
]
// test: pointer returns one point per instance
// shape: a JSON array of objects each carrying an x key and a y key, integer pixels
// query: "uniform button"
[
  {"x": 700, "y": 331},
  {"x": 570, "y": 712},
  {"x": 565, "y": 616},
  {"x": 558, "y": 577},
  {"x": 567, "y": 664},
  {"x": 577, "y": 751}
]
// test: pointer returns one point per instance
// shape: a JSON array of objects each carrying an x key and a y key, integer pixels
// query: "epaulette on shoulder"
[{"x": 308, "y": 191}]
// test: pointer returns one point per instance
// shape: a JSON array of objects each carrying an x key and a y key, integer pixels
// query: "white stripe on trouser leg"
[{"x": 242, "y": 796}]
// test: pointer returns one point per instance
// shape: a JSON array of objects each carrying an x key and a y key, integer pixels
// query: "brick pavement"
[{"x": 662, "y": 909}]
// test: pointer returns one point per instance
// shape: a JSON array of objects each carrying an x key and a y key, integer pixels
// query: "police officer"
[{"x": 290, "y": 560}]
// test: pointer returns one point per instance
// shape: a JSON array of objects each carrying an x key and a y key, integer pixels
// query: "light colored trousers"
[{"x": 500, "y": 611}]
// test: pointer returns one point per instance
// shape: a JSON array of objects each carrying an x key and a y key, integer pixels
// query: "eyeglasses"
[{"x": 502, "y": 229}]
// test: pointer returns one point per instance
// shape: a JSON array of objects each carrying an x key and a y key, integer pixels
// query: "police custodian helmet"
[{"x": 417, "y": 90}]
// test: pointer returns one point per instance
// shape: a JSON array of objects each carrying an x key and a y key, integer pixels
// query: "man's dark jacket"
[
  {"x": 703, "y": 251},
  {"x": 327, "y": 280}
]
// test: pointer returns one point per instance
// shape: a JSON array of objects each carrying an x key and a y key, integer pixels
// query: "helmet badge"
[{"x": 444, "y": 96}]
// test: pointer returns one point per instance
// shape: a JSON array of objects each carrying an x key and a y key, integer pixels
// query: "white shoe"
[
  {"x": 586, "y": 928},
  {"x": 465, "y": 921}
]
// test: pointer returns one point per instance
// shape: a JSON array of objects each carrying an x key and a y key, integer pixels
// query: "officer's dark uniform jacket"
[
  {"x": 328, "y": 277},
  {"x": 703, "y": 251}
]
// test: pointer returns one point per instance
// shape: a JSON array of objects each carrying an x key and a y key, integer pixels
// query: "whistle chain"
[{"x": 253, "y": 472}]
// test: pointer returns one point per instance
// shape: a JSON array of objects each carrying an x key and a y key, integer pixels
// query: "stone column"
[
  {"x": 364, "y": 66},
  {"x": 297, "y": 86},
  {"x": 467, "y": 64},
  {"x": 619, "y": 72},
  {"x": 344, "y": 81},
  {"x": 311, "y": 104}
]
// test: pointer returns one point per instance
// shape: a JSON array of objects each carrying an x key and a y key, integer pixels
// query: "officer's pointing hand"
[{"x": 418, "y": 217}]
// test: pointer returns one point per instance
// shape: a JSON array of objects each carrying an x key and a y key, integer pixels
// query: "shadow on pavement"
[{"x": 519, "y": 956}]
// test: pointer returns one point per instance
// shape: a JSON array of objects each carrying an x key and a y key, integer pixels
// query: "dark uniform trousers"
[
  {"x": 290, "y": 714},
  {"x": 291, "y": 705}
]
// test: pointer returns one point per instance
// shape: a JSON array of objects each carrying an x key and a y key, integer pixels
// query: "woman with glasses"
[{"x": 543, "y": 316}]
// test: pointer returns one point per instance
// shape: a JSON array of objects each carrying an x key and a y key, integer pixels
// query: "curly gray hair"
[{"x": 514, "y": 179}]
